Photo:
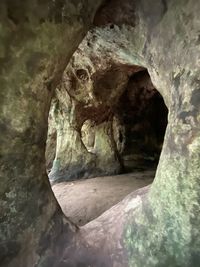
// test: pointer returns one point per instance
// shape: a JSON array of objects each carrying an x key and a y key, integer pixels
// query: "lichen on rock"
[{"x": 37, "y": 39}]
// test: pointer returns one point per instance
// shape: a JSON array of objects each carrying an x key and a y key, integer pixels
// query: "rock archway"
[
  {"x": 156, "y": 226},
  {"x": 117, "y": 101},
  {"x": 37, "y": 41},
  {"x": 114, "y": 134}
]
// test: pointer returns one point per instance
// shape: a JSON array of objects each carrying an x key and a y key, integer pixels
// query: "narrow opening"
[
  {"x": 144, "y": 115},
  {"x": 115, "y": 146}
]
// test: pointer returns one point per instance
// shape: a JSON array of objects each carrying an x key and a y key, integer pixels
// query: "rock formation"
[
  {"x": 114, "y": 98},
  {"x": 37, "y": 41},
  {"x": 156, "y": 226},
  {"x": 89, "y": 91}
]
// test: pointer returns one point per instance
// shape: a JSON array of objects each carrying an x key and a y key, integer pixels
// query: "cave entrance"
[
  {"x": 144, "y": 114},
  {"x": 117, "y": 154}
]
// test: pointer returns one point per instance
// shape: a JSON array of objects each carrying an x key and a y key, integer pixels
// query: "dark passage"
[{"x": 144, "y": 114}]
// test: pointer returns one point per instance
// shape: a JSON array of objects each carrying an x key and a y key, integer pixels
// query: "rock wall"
[
  {"x": 162, "y": 229},
  {"x": 93, "y": 88},
  {"x": 89, "y": 91},
  {"x": 97, "y": 137},
  {"x": 37, "y": 39},
  {"x": 158, "y": 226}
]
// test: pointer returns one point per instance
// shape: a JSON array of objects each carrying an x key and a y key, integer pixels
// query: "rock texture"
[
  {"x": 99, "y": 105},
  {"x": 163, "y": 229},
  {"x": 89, "y": 91},
  {"x": 162, "y": 226},
  {"x": 37, "y": 39},
  {"x": 85, "y": 200},
  {"x": 154, "y": 227}
]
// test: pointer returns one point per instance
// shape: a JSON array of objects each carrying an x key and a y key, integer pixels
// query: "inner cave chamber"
[
  {"x": 87, "y": 83},
  {"x": 106, "y": 119},
  {"x": 135, "y": 124}
]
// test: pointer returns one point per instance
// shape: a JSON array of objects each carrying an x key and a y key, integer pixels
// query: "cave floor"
[{"x": 85, "y": 200}]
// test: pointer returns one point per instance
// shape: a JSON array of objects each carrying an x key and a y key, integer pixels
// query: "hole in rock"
[
  {"x": 144, "y": 115},
  {"x": 115, "y": 142}
]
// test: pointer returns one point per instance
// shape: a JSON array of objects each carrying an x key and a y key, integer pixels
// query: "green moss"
[{"x": 162, "y": 231}]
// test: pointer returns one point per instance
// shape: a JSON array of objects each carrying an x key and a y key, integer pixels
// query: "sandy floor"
[{"x": 84, "y": 200}]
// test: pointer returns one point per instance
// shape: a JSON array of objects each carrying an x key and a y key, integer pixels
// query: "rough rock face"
[
  {"x": 89, "y": 91},
  {"x": 154, "y": 227},
  {"x": 162, "y": 229},
  {"x": 50, "y": 152},
  {"x": 116, "y": 99},
  {"x": 107, "y": 118},
  {"x": 37, "y": 39}
]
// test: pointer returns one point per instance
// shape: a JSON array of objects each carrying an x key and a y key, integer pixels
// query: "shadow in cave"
[
  {"x": 144, "y": 115},
  {"x": 139, "y": 121}
]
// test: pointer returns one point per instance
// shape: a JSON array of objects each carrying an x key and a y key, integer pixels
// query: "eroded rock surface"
[
  {"x": 89, "y": 91},
  {"x": 37, "y": 39},
  {"x": 155, "y": 227},
  {"x": 84, "y": 200},
  {"x": 162, "y": 226},
  {"x": 115, "y": 100}
]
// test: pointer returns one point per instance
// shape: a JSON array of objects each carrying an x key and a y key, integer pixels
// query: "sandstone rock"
[
  {"x": 90, "y": 90},
  {"x": 36, "y": 41},
  {"x": 162, "y": 229},
  {"x": 158, "y": 226}
]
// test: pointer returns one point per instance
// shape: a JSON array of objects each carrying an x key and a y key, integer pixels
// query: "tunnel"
[
  {"x": 135, "y": 130},
  {"x": 93, "y": 92},
  {"x": 144, "y": 115}
]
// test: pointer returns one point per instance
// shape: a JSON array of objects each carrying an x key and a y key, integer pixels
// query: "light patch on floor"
[{"x": 85, "y": 200}]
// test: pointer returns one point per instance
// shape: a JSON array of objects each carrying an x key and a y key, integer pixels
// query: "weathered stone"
[
  {"x": 162, "y": 229},
  {"x": 36, "y": 41},
  {"x": 90, "y": 90},
  {"x": 155, "y": 227},
  {"x": 128, "y": 130}
]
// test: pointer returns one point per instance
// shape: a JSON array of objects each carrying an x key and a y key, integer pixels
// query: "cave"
[
  {"x": 139, "y": 120},
  {"x": 128, "y": 140},
  {"x": 144, "y": 115},
  {"x": 119, "y": 75}
]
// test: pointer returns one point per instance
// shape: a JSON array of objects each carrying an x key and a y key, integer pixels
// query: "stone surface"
[
  {"x": 37, "y": 39},
  {"x": 163, "y": 228},
  {"x": 157, "y": 227},
  {"x": 84, "y": 200},
  {"x": 122, "y": 107},
  {"x": 89, "y": 91}
]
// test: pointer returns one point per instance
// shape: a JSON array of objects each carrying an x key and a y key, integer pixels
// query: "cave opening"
[
  {"x": 116, "y": 147},
  {"x": 144, "y": 115},
  {"x": 106, "y": 124}
]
